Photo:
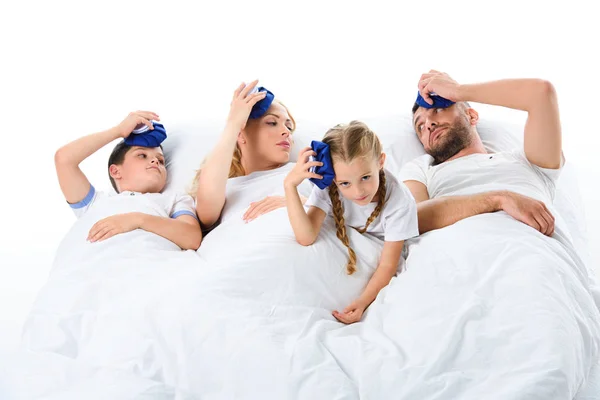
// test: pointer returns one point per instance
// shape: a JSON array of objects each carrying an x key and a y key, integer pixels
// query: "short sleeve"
[
  {"x": 183, "y": 205},
  {"x": 549, "y": 176},
  {"x": 320, "y": 199},
  {"x": 400, "y": 215},
  {"x": 415, "y": 170},
  {"x": 81, "y": 207}
]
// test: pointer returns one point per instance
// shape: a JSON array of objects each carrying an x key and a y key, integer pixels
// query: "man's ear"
[
  {"x": 382, "y": 160},
  {"x": 114, "y": 171},
  {"x": 473, "y": 116}
]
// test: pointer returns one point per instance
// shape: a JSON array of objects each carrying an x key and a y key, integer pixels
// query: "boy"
[{"x": 138, "y": 175}]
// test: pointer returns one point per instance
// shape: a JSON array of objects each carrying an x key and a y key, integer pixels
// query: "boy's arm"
[
  {"x": 184, "y": 230},
  {"x": 73, "y": 183}
]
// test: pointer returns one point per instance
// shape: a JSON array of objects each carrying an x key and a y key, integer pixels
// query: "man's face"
[{"x": 443, "y": 131}]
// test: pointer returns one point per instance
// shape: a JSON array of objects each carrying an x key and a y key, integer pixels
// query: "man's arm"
[
  {"x": 444, "y": 211},
  {"x": 543, "y": 138}
]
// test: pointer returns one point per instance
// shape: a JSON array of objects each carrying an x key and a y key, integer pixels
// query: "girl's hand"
[
  {"x": 241, "y": 105},
  {"x": 353, "y": 313},
  {"x": 301, "y": 171},
  {"x": 113, "y": 225},
  {"x": 134, "y": 119}
]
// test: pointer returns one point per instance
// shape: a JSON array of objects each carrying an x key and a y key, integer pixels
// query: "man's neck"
[{"x": 476, "y": 147}]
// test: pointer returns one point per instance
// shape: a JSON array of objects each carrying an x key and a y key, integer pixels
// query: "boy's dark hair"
[{"x": 117, "y": 157}]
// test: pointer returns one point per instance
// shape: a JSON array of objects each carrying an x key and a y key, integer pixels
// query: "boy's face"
[{"x": 143, "y": 170}]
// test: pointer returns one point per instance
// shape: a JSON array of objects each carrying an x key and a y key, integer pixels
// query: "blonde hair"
[
  {"x": 235, "y": 169},
  {"x": 347, "y": 143}
]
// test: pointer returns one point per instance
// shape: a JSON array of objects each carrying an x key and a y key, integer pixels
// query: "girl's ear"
[{"x": 381, "y": 160}]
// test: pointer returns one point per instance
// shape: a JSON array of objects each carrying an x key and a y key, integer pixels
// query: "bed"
[{"x": 506, "y": 314}]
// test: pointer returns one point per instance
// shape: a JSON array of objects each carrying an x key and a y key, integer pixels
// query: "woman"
[{"x": 246, "y": 147}]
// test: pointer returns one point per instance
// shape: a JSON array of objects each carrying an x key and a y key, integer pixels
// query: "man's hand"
[
  {"x": 439, "y": 83},
  {"x": 529, "y": 211}
]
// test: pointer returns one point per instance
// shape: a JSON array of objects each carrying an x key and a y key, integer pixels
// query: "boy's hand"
[
  {"x": 113, "y": 225},
  {"x": 134, "y": 119},
  {"x": 353, "y": 313}
]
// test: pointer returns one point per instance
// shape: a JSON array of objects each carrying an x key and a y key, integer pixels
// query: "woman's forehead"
[{"x": 278, "y": 110}]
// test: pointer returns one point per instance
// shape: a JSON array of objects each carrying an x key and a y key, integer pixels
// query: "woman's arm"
[{"x": 210, "y": 195}]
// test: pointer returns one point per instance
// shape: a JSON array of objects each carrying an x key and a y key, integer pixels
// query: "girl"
[{"x": 362, "y": 196}]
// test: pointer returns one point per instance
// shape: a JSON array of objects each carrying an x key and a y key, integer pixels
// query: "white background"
[{"x": 69, "y": 69}]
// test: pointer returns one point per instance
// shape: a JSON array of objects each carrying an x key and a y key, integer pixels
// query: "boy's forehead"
[{"x": 151, "y": 149}]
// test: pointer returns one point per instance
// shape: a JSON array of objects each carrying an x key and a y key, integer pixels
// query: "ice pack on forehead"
[
  {"x": 260, "y": 108},
  {"x": 438, "y": 101},
  {"x": 146, "y": 137}
]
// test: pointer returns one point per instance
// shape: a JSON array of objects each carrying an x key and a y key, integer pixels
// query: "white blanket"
[{"x": 487, "y": 308}]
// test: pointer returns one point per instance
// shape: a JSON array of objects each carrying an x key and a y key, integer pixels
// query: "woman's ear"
[
  {"x": 381, "y": 160},
  {"x": 241, "y": 138},
  {"x": 114, "y": 171}
]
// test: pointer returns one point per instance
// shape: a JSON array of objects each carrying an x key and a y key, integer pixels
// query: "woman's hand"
[
  {"x": 134, "y": 119},
  {"x": 241, "y": 105},
  {"x": 266, "y": 205},
  {"x": 301, "y": 171}
]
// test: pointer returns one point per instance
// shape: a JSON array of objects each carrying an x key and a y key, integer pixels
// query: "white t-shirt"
[
  {"x": 243, "y": 190},
  {"x": 397, "y": 221},
  {"x": 478, "y": 173},
  {"x": 159, "y": 204}
]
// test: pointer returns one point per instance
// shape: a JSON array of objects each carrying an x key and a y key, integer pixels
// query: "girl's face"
[
  {"x": 358, "y": 180},
  {"x": 267, "y": 141}
]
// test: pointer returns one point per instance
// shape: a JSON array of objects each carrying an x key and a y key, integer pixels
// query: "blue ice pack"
[
  {"x": 260, "y": 108},
  {"x": 326, "y": 170},
  {"x": 146, "y": 137},
  {"x": 438, "y": 101}
]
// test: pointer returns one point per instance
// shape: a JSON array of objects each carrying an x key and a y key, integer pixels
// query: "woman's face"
[{"x": 266, "y": 142}]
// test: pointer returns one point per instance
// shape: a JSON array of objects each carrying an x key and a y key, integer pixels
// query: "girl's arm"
[
  {"x": 73, "y": 183},
  {"x": 210, "y": 195},
  {"x": 306, "y": 226},
  {"x": 388, "y": 265}
]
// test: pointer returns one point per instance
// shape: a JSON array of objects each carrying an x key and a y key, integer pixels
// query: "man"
[{"x": 459, "y": 178}]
